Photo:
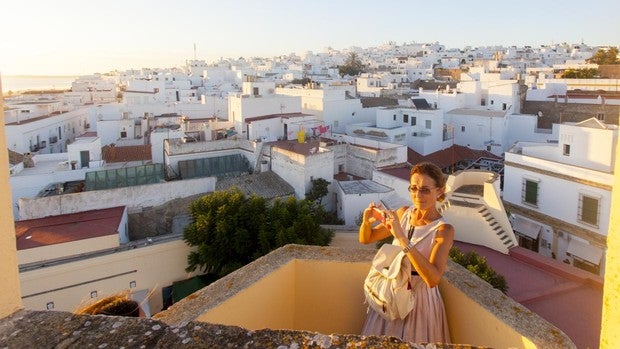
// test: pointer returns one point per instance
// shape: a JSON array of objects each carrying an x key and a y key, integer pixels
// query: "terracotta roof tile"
[
  {"x": 68, "y": 227},
  {"x": 128, "y": 153},
  {"x": 450, "y": 156},
  {"x": 15, "y": 157}
]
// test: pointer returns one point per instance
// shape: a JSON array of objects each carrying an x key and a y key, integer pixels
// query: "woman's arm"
[
  {"x": 373, "y": 214},
  {"x": 431, "y": 270}
]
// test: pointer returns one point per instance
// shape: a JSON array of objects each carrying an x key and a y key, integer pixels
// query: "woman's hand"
[
  {"x": 374, "y": 213},
  {"x": 392, "y": 223}
]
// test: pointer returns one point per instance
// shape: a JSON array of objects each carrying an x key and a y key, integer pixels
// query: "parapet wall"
[{"x": 135, "y": 198}]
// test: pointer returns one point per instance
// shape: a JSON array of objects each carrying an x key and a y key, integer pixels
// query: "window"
[
  {"x": 492, "y": 102},
  {"x": 414, "y": 120},
  {"x": 462, "y": 128},
  {"x": 394, "y": 117},
  {"x": 588, "y": 209},
  {"x": 428, "y": 124},
  {"x": 504, "y": 106},
  {"x": 405, "y": 118},
  {"x": 600, "y": 116},
  {"x": 483, "y": 102},
  {"x": 566, "y": 149},
  {"x": 123, "y": 134},
  {"x": 529, "y": 193}
]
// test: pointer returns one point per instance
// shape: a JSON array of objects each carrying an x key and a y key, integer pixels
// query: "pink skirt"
[{"x": 427, "y": 322}]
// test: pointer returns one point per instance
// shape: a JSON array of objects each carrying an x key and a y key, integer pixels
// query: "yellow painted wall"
[
  {"x": 69, "y": 285},
  {"x": 610, "y": 323},
  {"x": 472, "y": 324},
  {"x": 338, "y": 288},
  {"x": 326, "y": 297},
  {"x": 268, "y": 303},
  {"x": 9, "y": 280},
  {"x": 287, "y": 299}
]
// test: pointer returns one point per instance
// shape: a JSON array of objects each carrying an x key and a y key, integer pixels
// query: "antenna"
[{"x": 194, "y": 51}]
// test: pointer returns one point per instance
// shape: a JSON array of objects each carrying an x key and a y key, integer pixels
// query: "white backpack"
[{"x": 389, "y": 285}]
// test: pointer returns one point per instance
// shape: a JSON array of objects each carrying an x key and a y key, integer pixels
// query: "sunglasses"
[{"x": 422, "y": 190}]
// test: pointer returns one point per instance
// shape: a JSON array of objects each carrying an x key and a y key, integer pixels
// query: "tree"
[
  {"x": 478, "y": 265},
  {"x": 303, "y": 81},
  {"x": 318, "y": 190},
  {"x": 229, "y": 230},
  {"x": 587, "y": 73},
  {"x": 352, "y": 66},
  {"x": 602, "y": 56}
]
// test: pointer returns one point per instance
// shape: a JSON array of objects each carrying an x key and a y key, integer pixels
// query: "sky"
[{"x": 70, "y": 37}]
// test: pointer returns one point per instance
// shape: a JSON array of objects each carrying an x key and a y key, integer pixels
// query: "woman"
[{"x": 427, "y": 321}]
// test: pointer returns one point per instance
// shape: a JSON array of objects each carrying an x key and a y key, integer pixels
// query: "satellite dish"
[{"x": 540, "y": 114}]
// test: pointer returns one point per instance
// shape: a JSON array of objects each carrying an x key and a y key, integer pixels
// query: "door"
[{"x": 84, "y": 158}]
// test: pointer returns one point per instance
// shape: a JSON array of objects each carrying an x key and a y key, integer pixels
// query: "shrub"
[{"x": 478, "y": 265}]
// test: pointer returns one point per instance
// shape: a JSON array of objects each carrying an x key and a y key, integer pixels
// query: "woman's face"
[{"x": 424, "y": 191}]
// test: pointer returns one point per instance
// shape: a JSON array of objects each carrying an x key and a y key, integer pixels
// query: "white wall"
[
  {"x": 351, "y": 206},
  {"x": 135, "y": 198},
  {"x": 71, "y": 124},
  {"x": 479, "y": 131},
  {"x": 298, "y": 170},
  {"x": 69, "y": 285},
  {"x": 557, "y": 197},
  {"x": 92, "y": 145},
  {"x": 589, "y": 147}
]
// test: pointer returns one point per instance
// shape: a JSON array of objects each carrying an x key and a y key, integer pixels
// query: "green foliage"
[
  {"x": 229, "y": 230},
  {"x": 587, "y": 73},
  {"x": 318, "y": 190},
  {"x": 302, "y": 82},
  {"x": 478, "y": 265},
  {"x": 352, "y": 66},
  {"x": 605, "y": 56}
]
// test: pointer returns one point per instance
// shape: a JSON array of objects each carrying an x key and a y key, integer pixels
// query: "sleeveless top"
[{"x": 426, "y": 245}]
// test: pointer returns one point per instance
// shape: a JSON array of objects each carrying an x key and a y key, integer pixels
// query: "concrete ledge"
[
  {"x": 219, "y": 291},
  {"x": 55, "y": 329},
  {"x": 494, "y": 317},
  {"x": 490, "y": 318}
]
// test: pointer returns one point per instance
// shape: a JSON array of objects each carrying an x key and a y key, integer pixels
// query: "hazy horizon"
[{"x": 72, "y": 38}]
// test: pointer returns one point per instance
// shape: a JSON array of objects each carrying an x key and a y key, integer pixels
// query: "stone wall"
[
  {"x": 136, "y": 198},
  {"x": 569, "y": 112}
]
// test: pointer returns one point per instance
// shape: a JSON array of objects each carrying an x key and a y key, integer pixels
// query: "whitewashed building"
[
  {"x": 333, "y": 105},
  {"x": 422, "y": 130},
  {"x": 43, "y": 127},
  {"x": 259, "y": 99},
  {"x": 559, "y": 194}
]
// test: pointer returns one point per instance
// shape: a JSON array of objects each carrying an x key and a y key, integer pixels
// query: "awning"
[
  {"x": 527, "y": 228},
  {"x": 585, "y": 251}
]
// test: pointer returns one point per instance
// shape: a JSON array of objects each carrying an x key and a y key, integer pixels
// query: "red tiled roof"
[
  {"x": 450, "y": 156},
  {"x": 553, "y": 290},
  {"x": 15, "y": 157},
  {"x": 88, "y": 134},
  {"x": 402, "y": 172},
  {"x": 68, "y": 227},
  {"x": 125, "y": 154},
  {"x": 309, "y": 147}
]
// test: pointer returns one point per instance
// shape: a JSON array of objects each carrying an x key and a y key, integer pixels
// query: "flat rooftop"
[{"x": 69, "y": 227}]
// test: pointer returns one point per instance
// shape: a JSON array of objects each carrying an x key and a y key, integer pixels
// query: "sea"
[{"x": 14, "y": 83}]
